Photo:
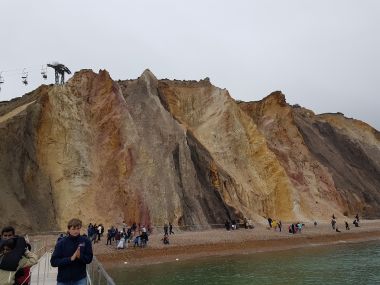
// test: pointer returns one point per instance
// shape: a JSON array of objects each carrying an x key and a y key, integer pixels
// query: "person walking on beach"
[
  {"x": 71, "y": 255},
  {"x": 165, "y": 239},
  {"x": 227, "y": 225},
  {"x": 171, "y": 229},
  {"x": 109, "y": 237},
  {"x": 166, "y": 228},
  {"x": 270, "y": 222}
]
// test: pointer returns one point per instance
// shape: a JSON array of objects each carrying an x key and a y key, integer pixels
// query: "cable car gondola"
[
  {"x": 1, "y": 80},
  {"x": 24, "y": 77},
  {"x": 44, "y": 72}
]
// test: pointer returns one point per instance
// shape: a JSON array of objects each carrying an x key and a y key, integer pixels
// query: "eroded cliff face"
[
  {"x": 105, "y": 152},
  {"x": 350, "y": 149},
  {"x": 332, "y": 161},
  {"x": 232, "y": 138},
  {"x": 152, "y": 151}
]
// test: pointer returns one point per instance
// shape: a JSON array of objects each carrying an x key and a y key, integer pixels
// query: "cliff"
[{"x": 153, "y": 151}]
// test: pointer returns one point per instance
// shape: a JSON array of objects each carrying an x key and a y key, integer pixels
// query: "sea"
[{"x": 342, "y": 263}]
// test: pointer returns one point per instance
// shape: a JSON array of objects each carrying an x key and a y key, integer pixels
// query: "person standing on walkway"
[
  {"x": 71, "y": 255},
  {"x": 22, "y": 252}
]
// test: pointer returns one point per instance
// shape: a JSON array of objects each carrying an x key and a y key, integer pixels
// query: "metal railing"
[
  {"x": 43, "y": 272},
  {"x": 96, "y": 275}
]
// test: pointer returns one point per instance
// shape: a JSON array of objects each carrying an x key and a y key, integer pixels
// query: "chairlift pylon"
[{"x": 24, "y": 77}]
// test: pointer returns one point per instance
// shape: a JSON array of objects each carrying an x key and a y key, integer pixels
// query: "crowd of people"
[
  {"x": 124, "y": 235},
  {"x": 335, "y": 226},
  {"x": 73, "y": 251}
]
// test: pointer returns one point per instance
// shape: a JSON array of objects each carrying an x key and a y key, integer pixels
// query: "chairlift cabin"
[
  {"x": 24, "y": 77},
  {"x": 44, "y": 72},
  {"x": 1, "y": 80}
]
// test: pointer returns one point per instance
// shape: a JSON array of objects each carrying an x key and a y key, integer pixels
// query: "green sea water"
[{"x": 357, "y": 263}]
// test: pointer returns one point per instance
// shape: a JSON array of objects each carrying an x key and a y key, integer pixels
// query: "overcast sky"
[{"x": 324, "y": 55}]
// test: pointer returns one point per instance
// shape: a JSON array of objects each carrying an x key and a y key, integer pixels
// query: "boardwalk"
[{"x": 43, "y": 273}]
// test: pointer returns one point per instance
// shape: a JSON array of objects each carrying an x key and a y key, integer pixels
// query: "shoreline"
[{"x": 193, "y": 245}]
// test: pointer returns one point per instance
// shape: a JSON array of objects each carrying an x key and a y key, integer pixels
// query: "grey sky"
[{"x": 324, "y": 55}]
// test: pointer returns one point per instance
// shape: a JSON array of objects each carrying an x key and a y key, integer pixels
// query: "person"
[
  {"x": 357, "y": 217},
  {"x": 315, "y": 223},
  {"x": 347, "y": 226},
  {"x": 165, "y": 239},
  {"x": 144, "y": 239},
  {"x": 171, "y": 229},
  {"x": 274, "y": 225},
  {"x": 333, "y": 222},
  {"x": 234, "y": 225},
  {"x": 11, "y": 261},
  {"x": 71, "y": 255},
  {"x": 280, "y": 225},
  {"x": 121, "y": 243},
  {"x": 337, "y": 230},
  {"x": 270, "y": 222},
  {"x": 293, "y": 229},
  {"x": 23, "y": 273},
  {"x": 227, "y": 225},
  {"x": 99, "y": 231},
  {"x": 355, "y": 222},
  {"x": 137, "y": 241},
  {"x": 333, "y": 217},
  {"x": 299, "y": 227},
  {"x": 109, "y": 237},
  {"x": 166, "y": 229}
]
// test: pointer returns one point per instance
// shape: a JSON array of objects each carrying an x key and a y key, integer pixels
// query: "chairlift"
[
  {"x": 1, "y": 80},
  {"x": 24, "y": 77},
  {"x": 44, "y": 72}
]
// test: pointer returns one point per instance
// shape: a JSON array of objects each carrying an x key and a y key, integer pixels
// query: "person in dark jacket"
[
  {"x": 23, "y": 274},
  {"x": 71, "y": 255}
]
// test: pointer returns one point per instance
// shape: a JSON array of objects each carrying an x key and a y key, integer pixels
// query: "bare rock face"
[
  {"x": 152, "y": 151},
  {"x": 26, "y": 197},
  {"x": 332, "y": 161},
  {"x": 105, "y": 152},
  {"x": 261, "y": 184},
  {"x": 350, "y": 149}
]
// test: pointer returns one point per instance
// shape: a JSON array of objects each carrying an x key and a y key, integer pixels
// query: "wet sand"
[{"x": 195, "y": 244}]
